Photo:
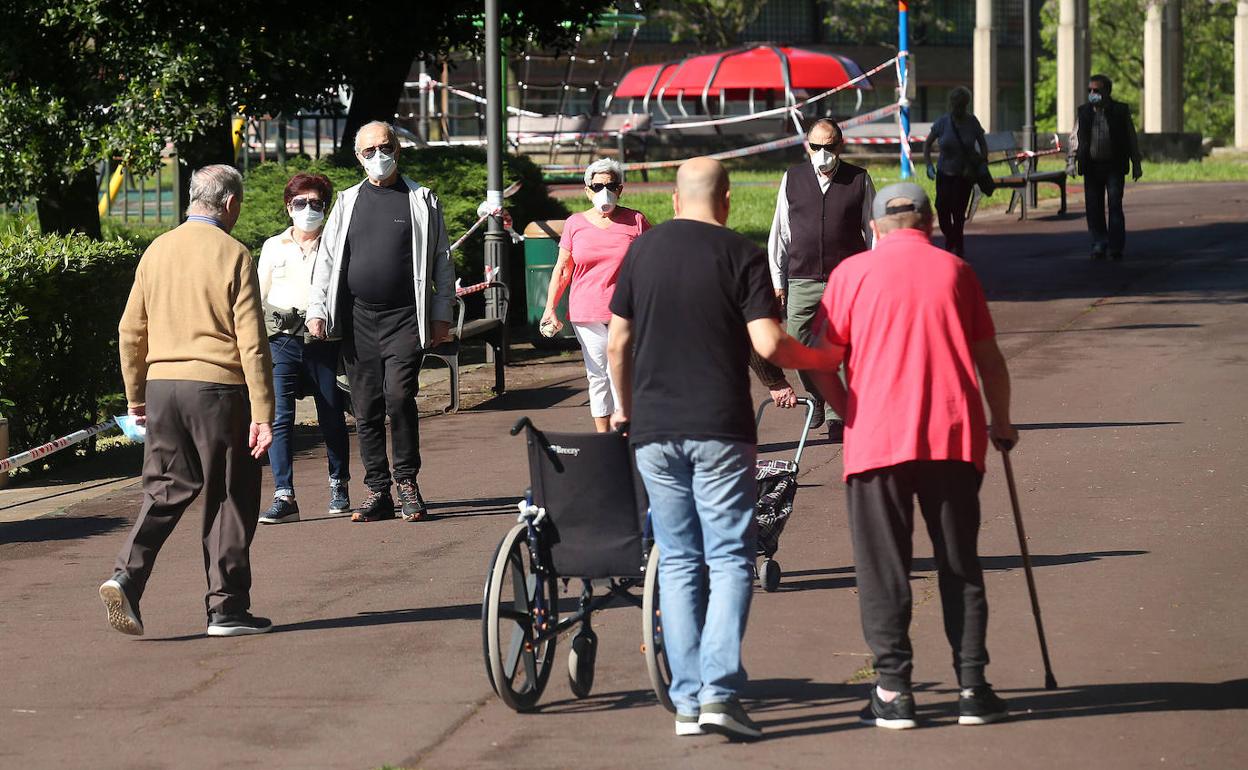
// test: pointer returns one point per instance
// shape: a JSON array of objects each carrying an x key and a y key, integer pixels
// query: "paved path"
[{"x": 1129, "y": 379}]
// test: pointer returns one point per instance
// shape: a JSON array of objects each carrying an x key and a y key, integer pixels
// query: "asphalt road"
[{"x": 1131, "y": 382}]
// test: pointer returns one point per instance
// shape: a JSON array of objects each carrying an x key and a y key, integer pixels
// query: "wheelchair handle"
[
  {"x": 810, "y": 418},
  {"x": 521, "y": 424}
]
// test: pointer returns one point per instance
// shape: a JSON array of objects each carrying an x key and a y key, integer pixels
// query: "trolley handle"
[{"x": 810, "y": 418}]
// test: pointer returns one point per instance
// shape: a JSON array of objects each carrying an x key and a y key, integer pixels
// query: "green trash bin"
[{"x": 541, "y": 251}]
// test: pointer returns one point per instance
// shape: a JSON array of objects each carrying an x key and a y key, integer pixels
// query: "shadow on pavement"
[
  {"x": 1121, "y": 328},
  {"x": 1129, "y": 698},
  {"x": 545, "y": 397},
  {"x": 59, "y": 528},
  {"x": 1070, "y": 425}
]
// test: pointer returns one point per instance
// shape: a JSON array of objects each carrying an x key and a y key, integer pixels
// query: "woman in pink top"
[{"x": 590, "y": 252}]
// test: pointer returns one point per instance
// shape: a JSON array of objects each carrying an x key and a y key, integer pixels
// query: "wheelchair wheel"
[
  {"x": 770, "y": 577},
  {"x": 519, "y": 666},
  {"x": 581, "y": 663},
  {"x": 652, "y": 634}
]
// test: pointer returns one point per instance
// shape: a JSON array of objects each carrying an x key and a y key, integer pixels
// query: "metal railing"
[{"x": 151, "y": 199}]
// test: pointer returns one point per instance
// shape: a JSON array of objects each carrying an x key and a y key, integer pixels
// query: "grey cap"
[{"x": 908, "y": 190}]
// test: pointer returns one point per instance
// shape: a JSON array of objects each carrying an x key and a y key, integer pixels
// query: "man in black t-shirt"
[
  {"x": 691, "y": 300},
  {"x": 385, "y": 283}
]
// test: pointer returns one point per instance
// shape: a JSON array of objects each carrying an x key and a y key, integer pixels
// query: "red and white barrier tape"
[{"x": 39, "y": 452}]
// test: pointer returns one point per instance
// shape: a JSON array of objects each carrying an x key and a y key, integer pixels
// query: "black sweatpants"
[
  {"x": 197, "y": 443},
  {"x": 881, "y": 524},
  {"x": 382, "y": 352}
]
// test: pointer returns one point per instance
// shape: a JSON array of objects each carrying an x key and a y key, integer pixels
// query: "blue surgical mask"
[{"x": 1095, "y": 97}]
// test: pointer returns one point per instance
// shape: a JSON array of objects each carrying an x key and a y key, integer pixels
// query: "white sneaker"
[
  {"x": 122, "y": 615},
  {"x": 688, "y": 725}
]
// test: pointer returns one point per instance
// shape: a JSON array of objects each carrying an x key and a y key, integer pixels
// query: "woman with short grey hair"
[{"x": 591, "y": 250}]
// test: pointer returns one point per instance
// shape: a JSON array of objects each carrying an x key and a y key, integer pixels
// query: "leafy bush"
[
  {"x": 456, "y": 174},
  {"x": 60, "y": 300}
]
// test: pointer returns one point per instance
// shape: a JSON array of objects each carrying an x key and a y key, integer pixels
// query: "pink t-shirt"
[
  {"x": 908, "y": 312},
  {"x": 596, "y": 256}
]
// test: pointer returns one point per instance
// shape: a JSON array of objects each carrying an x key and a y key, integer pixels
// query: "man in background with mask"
[
  {"x": 823, "y": 215},
  {"x": 384, "y": 281},
  {"x": 1101, "y": 143}
]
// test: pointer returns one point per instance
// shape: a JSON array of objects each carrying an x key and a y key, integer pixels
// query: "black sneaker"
[
  {"x": 836, "y": 430},
  {"x": 728, "y": 719},
  {"x": 123, "y": 610},
  {"x": 414, "y": 508},
  {"x": 1115, "y": 256},
  {"x": 817, "y": 420},
  {"x": 1098, "y": 254},
  {"x": 378, "y": 506},
  {"x": 339, "y": 500},
  {"x": 981, "y": 706},
  {"x": 239, "y": 624},
  {"x": 897, "y": 714},
  {"x": 283, "y": 510}
]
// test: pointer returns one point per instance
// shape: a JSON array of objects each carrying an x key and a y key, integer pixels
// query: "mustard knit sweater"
[{"x": 194, "y": 314}]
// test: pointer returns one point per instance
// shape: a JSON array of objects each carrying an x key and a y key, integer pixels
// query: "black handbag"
[{"x": 974, "y": 168}]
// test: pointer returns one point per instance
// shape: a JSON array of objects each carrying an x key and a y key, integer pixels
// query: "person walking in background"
[
  {"x": 692, "y": 298},
  {"x": 962, "y": 149},
  {"x": 590, "y": 252},
  {"x": 1102, "y": 143},
  {"x": 917, "y": 329},
  {"x": 299, "y": 360},
  {"x": 823, "y": 215},
  {"x": 384, "y": 281},
  {"x": 198, "y": 374}
]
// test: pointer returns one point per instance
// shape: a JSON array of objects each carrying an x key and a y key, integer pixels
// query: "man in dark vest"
[
  {"x": 1101, "y": 144},
  {"x": 823, "y": 215}
]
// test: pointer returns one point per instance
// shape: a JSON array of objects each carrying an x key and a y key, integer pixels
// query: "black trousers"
[
  {"x": 197, "y": 442},
  {"x": 881, "y": 523},
  {"x": 953, "y": 196},
  {"x": 383, "y": 354},
  {"x": 1102, "y": 182}
]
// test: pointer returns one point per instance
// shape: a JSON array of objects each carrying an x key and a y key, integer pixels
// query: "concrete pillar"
[
  {"x": 985, "y": 66},
  {"x": 1241, "y": 76},
  {"x": 1163, "y": 67},
  {"x": 1074, "y": 60}
]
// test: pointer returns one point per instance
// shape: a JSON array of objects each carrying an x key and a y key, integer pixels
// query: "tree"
[
  {"x": 874, "y": 22},
  {"x": 716, "y": 24}
]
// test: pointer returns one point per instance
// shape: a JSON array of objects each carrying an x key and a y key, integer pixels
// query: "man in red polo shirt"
[{"x": 916, "y": 327}]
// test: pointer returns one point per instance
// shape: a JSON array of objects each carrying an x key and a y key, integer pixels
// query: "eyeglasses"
[
  {"x": 300, "y": 203},
  {"x": 830, "y": 146},
  {"x": 369, "y": 152},
  {"x": 614, "y": 187}
]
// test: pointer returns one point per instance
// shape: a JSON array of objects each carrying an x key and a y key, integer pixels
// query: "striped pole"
[
  {"x": 903, "y": 69},
  {"x": 30, "y": 455}
]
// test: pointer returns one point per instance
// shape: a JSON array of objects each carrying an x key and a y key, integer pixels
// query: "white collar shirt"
[{"x": 285, "y": 270}]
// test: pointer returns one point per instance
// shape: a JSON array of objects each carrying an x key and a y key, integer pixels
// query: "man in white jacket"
[{"x": 384, "y": 281}]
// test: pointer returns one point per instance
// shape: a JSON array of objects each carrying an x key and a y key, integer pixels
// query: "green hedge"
[
  {"x": 60, "y": 300},
  {"x": 456, "y": 174}
]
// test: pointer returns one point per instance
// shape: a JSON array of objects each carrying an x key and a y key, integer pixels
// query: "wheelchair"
[{"x": 584, "y": 517}]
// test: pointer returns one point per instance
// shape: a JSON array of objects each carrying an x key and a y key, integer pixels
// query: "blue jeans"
[
  {"x": 315, "y": 367},
  {"x": 702, "y": 509}
]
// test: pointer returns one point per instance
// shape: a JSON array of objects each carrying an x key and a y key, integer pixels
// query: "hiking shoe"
[
  {"x": 414, "y": 508},
  {"x": 283, "y": 510},
  {"x": 123, "y": 611},
  {"x": 836, "y": 430},
  {"x": 897, "y": 714},
  {"x": 1098, "y": 254},
  {"x": 1115, "y": 256},
  {"x": 687, "y": 724},
  {"x": 817, "y": 419},
  {"x": 339, "y": 500},
  {"x": 981, "y": 706},
  {"x": 237, "y": 624},
  {"x": 378, "y": 506},
  {"x": 728, "y": 719}
]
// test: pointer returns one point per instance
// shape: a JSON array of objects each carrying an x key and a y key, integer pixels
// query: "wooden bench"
[
  {"x": 1023, "y": 176},
  {"x": 492, "y": 331}
]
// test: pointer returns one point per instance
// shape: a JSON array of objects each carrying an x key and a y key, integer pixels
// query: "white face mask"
[
  {"x": 824, "y": 160},
  {"x": 379, "y": 166},
  {"x": 1095, "y": 98},
  {"x": 604, "y": 200},
  {"x": 308, "y": 220}
]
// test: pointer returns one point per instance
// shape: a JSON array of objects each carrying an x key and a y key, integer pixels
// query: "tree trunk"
[
  {"x": 215, "y": 145},
  {"x": 71, "y": 207},
  {"x": 375, "y": 93}
]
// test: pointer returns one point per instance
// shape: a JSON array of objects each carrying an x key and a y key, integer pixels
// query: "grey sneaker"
[
  {"x": 282, "y": 511},
  {"x": 339, "y": 500},
  {"x": 728, "y": 719},
  {"x": 123, "y": 612},
  {"x": 981, "y": 706},
  {"x": 687, "y": 724},
  {"x": 896, "y": 714}
]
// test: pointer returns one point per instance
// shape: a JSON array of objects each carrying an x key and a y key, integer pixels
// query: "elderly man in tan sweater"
[{"x": 195, "y": 359}]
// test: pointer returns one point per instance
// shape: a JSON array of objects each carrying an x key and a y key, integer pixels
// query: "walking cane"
[{"x": 1050, "y": 683}]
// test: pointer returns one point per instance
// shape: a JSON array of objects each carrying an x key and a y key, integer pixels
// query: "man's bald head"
[{"x": 702, "y": 190}]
